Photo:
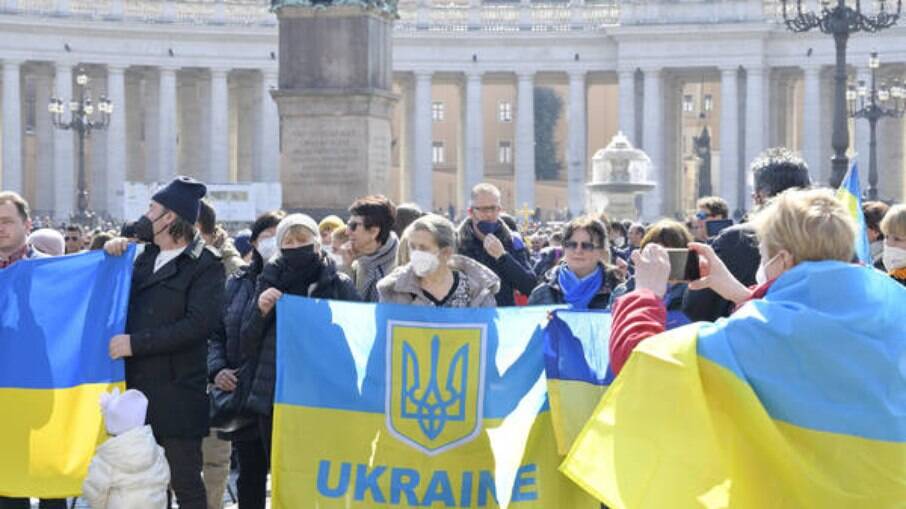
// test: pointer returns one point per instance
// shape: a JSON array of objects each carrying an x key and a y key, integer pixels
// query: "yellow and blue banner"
[
  {"x": 577, "y": 365},
  {"x": 57, "y": 316},
  {"x": 850, "y": 194},
  {"x": 381, "y": 405},
  {"x": 797, "y": 400}
]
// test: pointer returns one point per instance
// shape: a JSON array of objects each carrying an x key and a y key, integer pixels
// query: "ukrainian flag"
[
  {"x": 850, "y": 194},
  {"x": 797, "y": 400},
  {"x": 577, "y": 365},
  {"x": 57, "y": 316},
  {"x": 384, "y": 405}
]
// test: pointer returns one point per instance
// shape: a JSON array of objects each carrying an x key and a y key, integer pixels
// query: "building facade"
[{"x": 191, "y": 79}]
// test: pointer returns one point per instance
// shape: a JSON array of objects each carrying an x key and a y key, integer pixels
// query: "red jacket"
[{"x": 639, "y": 315}]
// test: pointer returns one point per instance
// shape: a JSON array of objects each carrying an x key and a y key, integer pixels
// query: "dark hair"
[
  {"x": 266, "y": 221},
  {"x": 376, "y": 210},
  {"x": 874, "y": 212},
  {"x": 406, "y": 214},
  {"x": 508, "y": 221},
  {"x": 74, "y": 228},
  {"x": 182, "y": 229},
  {"x": 777, "y": 169},
  {"x": 592, "y": 225},
  {"x": 667, "y": 233},
  {"x": 18, "y": 201},
  {"x": 207, "y": 217},
  {"x": 98, "y": 241},
  {"x": 715, "y": 205},
  {"x": 616, "y": 225}
]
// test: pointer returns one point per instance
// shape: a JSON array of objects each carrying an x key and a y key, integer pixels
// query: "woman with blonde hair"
[{"x": 893, "y": 226}]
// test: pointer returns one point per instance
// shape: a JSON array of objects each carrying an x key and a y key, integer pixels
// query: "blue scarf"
[{"x": 579, "y": 292}]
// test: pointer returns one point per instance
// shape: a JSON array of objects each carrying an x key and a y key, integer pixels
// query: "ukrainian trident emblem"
[{"x": 435, "y": 383}]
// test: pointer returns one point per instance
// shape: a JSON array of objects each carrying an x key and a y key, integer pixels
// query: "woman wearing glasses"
[{"x": 584, "y": 279}]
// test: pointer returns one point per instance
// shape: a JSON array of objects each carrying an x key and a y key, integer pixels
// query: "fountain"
[{"x": 619, "y": 174}]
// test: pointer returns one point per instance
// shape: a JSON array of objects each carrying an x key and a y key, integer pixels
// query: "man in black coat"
[
  {"x": 175, "y": 305},
  {"x": 774, "y": 171},
  {"x": 485, "y": 238}
]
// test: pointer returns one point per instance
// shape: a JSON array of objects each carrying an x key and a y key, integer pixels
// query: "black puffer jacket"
[
  {"x": 549, "y": 291},
  {"x": 513, "y": 268},
  {"x": 224, "y": 351},
  {"x": 258, "y": 335}
]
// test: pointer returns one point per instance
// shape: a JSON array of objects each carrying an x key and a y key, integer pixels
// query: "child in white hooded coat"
[{"x": 129, "y": 470}]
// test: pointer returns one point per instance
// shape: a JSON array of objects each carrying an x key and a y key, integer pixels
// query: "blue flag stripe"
[{"x": 57, "y": 316}]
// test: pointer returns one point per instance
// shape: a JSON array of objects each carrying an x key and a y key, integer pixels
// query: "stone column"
[
  {"x": 335, "y": 102},
  {"x": 422, "y": 169},
  {"x": 576, "y": 144},
  {"x": 269, "y": 130},
  {"x": 729, "y": 136},
  {"x": 653, "y": 141},
  {"x": 44, "y": 133},
  {"x": 219, "y": 144},
  {"x": 116, "y": 141},
  {"x": 756, "y": 134},
  {"x": 472, "y": 163},
  {"x": 63, "y": 149},
  {"x": 167, "y": 125},
  {"x": 525, "y": 142},
  {"x": 863, "y": 133},
  {"x": 812, "y": 123},
  {"x": 627, "y": 105},
  {"x": 13, "y": 178}
]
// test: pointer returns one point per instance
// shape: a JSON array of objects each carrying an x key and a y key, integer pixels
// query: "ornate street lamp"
[
  {"x": 83, "y": 122},
  {"x": 840, "y": 20},
  {"x": 873, "y": 104}
]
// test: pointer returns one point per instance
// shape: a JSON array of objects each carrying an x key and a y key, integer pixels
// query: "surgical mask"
[
  {"x": 267, "y": 247},
  {"x": 423, "y": 262},
  {"x": 894, "y": 258},
  {"x": 144, "y": 228},
  {"x": 761, "y": 277},
  {"x": 488, "y": 227}
]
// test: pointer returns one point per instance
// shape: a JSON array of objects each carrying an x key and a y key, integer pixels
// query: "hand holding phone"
[{"x": 684, "y": 266}]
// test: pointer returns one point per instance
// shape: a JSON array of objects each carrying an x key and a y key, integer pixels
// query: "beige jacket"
[{"x": 401, "y": 286}]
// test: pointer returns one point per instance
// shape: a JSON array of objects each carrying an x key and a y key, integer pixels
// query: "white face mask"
[
  {"x": 267, "y": 247},
  {"x": 423, "y": 262},
  {"x": 894, "y": 258},
  {"x": 761, "y": 277}
]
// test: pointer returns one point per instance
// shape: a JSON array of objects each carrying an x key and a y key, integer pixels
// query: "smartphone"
[
  {"x": 715, "y": 226},
  {"x": 683, "y": 265}
]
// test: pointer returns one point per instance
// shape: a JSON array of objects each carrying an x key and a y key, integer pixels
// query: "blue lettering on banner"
[
  {"x": 365, "y": 481},
  {"x": 406, "y": 485}
]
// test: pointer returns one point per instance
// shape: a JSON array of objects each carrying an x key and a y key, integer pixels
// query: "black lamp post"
[
  {"x": 840, "y": 20},
  {"x": 873, "y": 104},
  {"x": 81, "y": 121}
]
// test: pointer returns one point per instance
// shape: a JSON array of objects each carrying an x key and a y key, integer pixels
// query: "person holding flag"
[{"x": 793, "y": 401}]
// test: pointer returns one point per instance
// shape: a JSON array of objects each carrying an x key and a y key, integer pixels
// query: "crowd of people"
[{"x": 200, "y": 340}]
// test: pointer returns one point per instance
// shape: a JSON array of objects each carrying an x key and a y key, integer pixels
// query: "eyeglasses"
[
  {"x": 354, "y": 225},
  {"x": 487, "y": 210},
  {"x": 572, "y": 245},
  {"x": 701, "y": 215},
  {"x": 67, "y": 239}
]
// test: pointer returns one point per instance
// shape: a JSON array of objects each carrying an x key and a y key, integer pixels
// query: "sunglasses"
[
  {"x": 67, "y": 239},
  {"x": 701, "y": 216},
  {"x": 487, "y": 210},
  {"x": 354, "y": 225},
  {"x": 572, "y": 245}
]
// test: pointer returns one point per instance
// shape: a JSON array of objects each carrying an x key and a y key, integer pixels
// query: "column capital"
[
  {"x": 812, "y": 69},
  {"x": 525, "y": 75},
  {"x": 729, "y": 71},
  {"x": 168, "y": 68},
  {"x": 626, "y": 73},
  {"x": 219, "y": 71},
  {"x": 116, "y": 68},
  {"x": 10, "y": 62},
  {"x": 423, "y": 74},
  {"x": 577, "y": 74},
  {"x": 473, "y": 75},
  {"x": 652, "y": 70}
]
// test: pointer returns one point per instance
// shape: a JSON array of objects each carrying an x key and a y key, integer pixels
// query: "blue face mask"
[{"x": 488, "y": 227}]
